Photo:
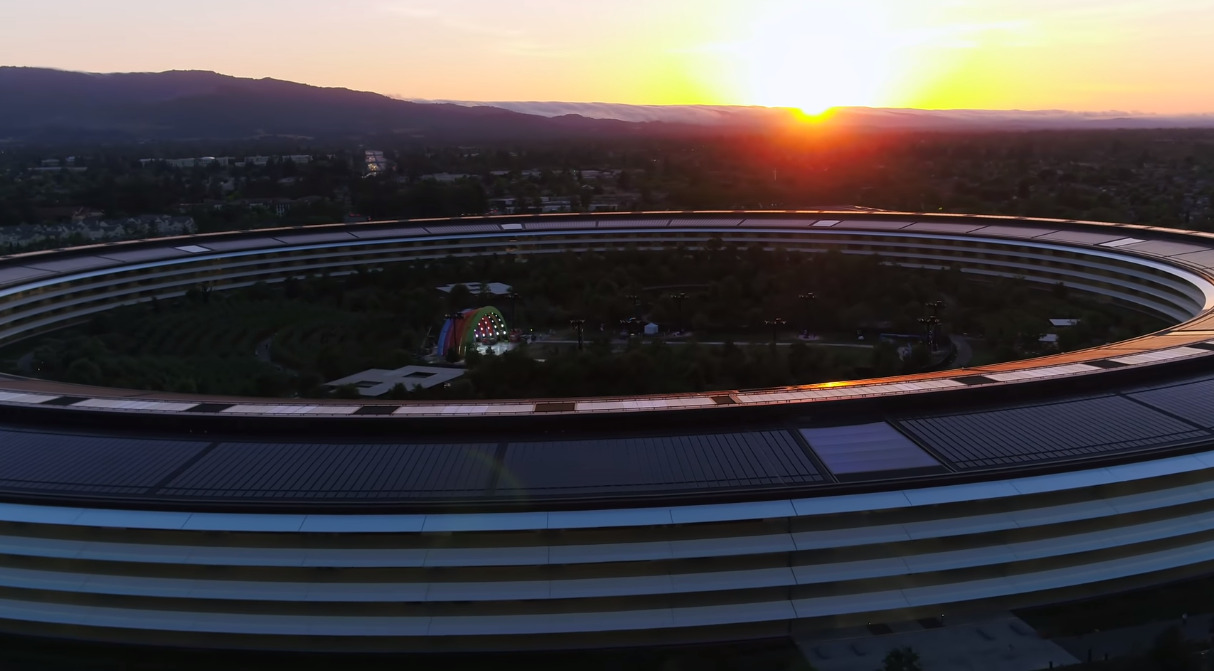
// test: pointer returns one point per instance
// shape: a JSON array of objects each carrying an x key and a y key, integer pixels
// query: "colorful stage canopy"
[{"x": 473, "y": 325}]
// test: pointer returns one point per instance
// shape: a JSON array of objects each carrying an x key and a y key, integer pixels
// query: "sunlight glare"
[{"x": 817, "y": 54}]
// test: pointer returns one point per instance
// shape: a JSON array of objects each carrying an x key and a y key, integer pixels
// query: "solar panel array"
[
  {"x": 706, "y": 461},
  {"x": 1050, "y": 432},
  {"x": 295, "y": 469},
  {"x": 292, "y": 470},
  {"x": 1193, "y": 402},
  {"x": 32, "y": 460}
]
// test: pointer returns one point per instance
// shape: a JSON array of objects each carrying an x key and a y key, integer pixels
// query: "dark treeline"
[{"x": 1163, "y": 177}]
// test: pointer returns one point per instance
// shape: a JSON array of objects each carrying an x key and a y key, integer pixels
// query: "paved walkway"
[
  {"x": 1132, "y": 641},
  {"x": 965, "y": 352},
  {"x": 25, "y": 365},
  {"x": 1001, "y": 642},
  {"x": 262, "y": 352}
]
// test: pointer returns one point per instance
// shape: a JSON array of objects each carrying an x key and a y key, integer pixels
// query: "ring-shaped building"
[{"x": 149, "y": 518}]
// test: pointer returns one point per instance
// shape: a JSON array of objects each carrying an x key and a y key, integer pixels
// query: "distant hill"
[
  {"x": 703, "y": 115},
  {"x": 42, "y": 103},
  {"x": 860, "y": 117},
  {"x": 45, "y": 104}
]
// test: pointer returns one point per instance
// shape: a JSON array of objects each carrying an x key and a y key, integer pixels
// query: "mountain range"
[
  {"x": 861, "y": 117},
  {"x": 45, "y": 104}
]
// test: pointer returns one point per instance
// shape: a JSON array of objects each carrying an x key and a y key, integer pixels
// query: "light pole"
[
  {"x": 933, "y": 321},
  {"x": 632, "y": 325},
  {"x": 678, "y": 308},
  {"x": 636, "y": 305},
  {"x": 454, "y": 316},
  {"x": 806, "y": 299},
  {"x": 513, "y": 296},
  {"x": 775, "y": 325},
  {"x": 930, "y": 323},
  {"x": 578, "y": 325}
]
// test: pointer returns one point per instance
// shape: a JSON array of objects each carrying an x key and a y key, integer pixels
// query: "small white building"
[{"x": 378, "y": 381}]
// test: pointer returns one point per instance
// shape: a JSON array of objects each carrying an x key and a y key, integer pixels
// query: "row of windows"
[
  {"x": 49, "y": 300},
  {"x": 204, "y": 274},
  {"x": 875, "y": 243},
  {"x": 69, "y": 311}
]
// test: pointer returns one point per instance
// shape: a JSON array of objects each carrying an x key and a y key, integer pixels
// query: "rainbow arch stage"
[{"x": 468, "y": 327}]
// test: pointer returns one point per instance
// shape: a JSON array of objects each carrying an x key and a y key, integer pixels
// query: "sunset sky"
[{"x": 1090, "y": 55}]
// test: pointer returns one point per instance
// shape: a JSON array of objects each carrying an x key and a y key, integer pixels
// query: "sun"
[{"x": 814, "y": 55}]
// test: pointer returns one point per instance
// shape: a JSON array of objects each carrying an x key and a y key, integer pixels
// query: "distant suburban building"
[
  {"x": 375, "y": 162},
  {"x": 86, "y": 226},
  {"x": 448, "y": 177},
  {"x": 503, "y": 205},
  {"x": 548, "y": 204}
]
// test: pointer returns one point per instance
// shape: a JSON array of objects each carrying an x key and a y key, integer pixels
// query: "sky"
[{"x": 1083, "y": 55}]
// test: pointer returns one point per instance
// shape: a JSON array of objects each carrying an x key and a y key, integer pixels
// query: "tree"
[
  {"x": 885, "y": 359},
  {"x": 1170, "y": 652},
  {"x": 459, "y": 298},
  {"x": 901, "y": 659},
  {"x": 347, "y": 391},
  {"x": 918, "y": 359},
  {"x": 398, "y": 392},
  {"x": 473, "y": 357}
]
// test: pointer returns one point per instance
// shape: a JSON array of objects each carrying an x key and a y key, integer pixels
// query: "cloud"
[
  {"x": 450, "y": 19},
  {"x": 410, "y": 10},
  {"x": 1012, "y": 32},
  {"x": 534, "y": 49},
  {"x": 502, "y": 38}
]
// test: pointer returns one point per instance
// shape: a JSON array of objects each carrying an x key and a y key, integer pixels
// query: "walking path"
[
  {"x": 25, "y": 365},
  {"x": 1132, "y": 641},
  {"x": 965, "y": 351},
  {"x": 262, "y": 352},
  {"x": 999, "y": 642}
]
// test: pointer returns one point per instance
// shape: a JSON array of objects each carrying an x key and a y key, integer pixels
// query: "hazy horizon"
[
  {"x": 1080, "y": 56},
  {"x": 717, "y": 106}
]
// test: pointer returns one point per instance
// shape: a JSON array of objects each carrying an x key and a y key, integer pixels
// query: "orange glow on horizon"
[
  {"x": 808, "y": 54},
  {"x": 815, "y": 55}
]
